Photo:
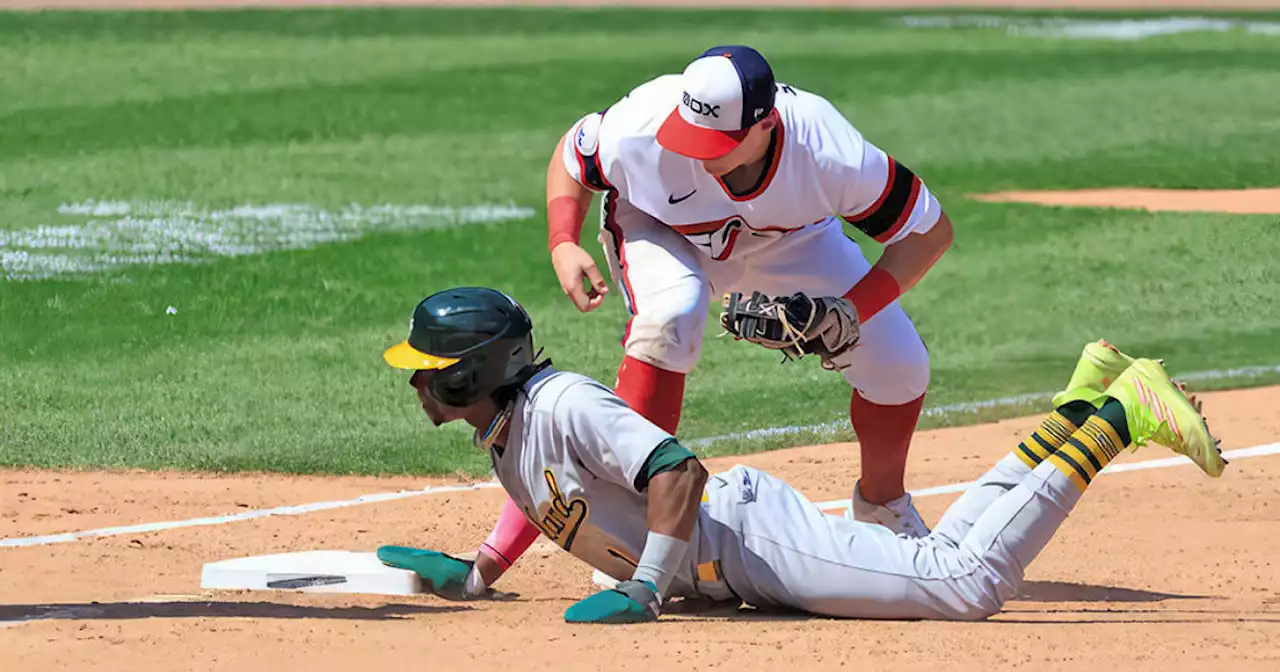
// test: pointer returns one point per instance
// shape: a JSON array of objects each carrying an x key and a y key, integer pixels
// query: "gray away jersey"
[
  {"x": 571, "y": 460},
  {"x": 573, "y": 454}
]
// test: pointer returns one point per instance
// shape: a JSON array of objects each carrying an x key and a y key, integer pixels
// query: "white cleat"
[{"x": 899, "y": 515}]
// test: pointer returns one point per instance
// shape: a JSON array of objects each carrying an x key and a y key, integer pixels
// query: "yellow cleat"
[
  {"x": 1100, "y": 364},
  {"x": 1158, "y": 411}
]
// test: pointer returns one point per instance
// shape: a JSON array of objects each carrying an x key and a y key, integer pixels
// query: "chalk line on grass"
[
  {"x": 18, "y": 542},
  {"x": 1098, "y": 28},
  {"x": 121, "y": 233}
]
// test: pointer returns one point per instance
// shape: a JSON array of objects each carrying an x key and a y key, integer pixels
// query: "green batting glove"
[
  {"x": 631, "y": 602},
  {"x": 442, "y": 574}
]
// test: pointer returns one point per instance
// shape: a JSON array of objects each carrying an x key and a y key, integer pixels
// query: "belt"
[{"x": 710, "y": 571}]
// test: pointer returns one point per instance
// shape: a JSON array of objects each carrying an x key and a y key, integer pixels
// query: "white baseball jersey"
[
  {"x": 573, "y": 453},
  {"x": 818, "y": 167}
]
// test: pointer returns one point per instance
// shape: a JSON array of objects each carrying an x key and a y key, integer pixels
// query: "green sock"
[
  {"x": 1054, "y": 432},
  {"x": 1094, "y": 445}
]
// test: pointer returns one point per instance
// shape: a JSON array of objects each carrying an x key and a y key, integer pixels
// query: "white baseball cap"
[{"x": 727, "y": 90}]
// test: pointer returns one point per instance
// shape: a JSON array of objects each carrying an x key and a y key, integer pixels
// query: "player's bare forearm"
[
  {"x": 567, "y": 203},
  {"x": 674, "y": 499},
  {"x": 561, "y": 184},
  {"x": 489, "y": 569},
  {"x": 909, "y": 259}
]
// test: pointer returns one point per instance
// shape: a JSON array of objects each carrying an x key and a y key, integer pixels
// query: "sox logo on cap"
[{"x": 726, "y": 91}]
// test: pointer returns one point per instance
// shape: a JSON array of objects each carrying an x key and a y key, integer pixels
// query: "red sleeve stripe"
[
  {"x": 582, "y": 166},
  {"x": 589, "y": 171},
  {"x": 903, "y": 216},
  {"x": 893, "y": 209},
  {"x": 597, "y": 171},
  {"x": 875, "y": 207},
  {"x": 619, "y": 249}
]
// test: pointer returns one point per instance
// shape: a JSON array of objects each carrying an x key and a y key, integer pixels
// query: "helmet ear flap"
[{"x": 456, "y": 385}]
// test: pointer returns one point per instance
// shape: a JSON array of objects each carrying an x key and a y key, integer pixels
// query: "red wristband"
[
  {"x": 873, "y": 292},
  {"x": 564, "y": 221}
]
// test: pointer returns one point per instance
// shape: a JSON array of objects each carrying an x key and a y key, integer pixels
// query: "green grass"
[{"x": 273, "y": 361}]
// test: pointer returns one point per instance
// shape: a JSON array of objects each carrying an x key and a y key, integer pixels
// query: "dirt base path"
[
  {"x": 1235, "y": 201},
  {"x": 1161, "y": 570}
]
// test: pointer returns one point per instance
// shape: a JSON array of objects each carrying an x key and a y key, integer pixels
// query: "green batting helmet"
[{"x": 478, "y": 339}]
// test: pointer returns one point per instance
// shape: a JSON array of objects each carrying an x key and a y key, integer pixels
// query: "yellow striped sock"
[
  {"x": 1051, "y": 435},
  {"x": 1087, "y": 451}
]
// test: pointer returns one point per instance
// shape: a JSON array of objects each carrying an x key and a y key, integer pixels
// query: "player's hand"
[
  {"x": 442, "y": 574},
  {"x": 631, "y": 602},
  {"x": 574, "y": 265}
]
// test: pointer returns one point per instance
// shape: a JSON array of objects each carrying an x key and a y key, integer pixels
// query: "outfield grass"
[{"x": 273, "y": 360}]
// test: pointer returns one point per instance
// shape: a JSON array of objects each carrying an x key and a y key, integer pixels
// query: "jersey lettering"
[
  {"x": 622, "y": 555},
  {"x": 719, "y": 237},
  {"x": 563, "y": 519}
]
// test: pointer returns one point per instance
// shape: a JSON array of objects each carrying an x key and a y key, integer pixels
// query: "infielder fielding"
[
  {"x": 721, "y": 180},
  {"x": 621, "y": 493}
]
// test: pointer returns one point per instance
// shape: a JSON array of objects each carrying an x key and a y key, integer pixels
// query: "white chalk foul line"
[
  {"x": 827, "y": 428},
  {"x": 295, "y": 510},
  {"x": 1241, "y": 453}
]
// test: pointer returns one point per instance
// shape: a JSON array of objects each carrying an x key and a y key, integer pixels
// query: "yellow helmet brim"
[{"x": 404, "y": 356}]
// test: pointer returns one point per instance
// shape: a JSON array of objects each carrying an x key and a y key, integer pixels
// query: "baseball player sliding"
[{"x": 621, "y": 493}]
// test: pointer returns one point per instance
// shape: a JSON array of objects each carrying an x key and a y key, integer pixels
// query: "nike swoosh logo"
[{"x": 673, "y": 200}]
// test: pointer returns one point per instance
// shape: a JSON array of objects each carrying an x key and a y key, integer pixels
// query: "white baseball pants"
[
  {"x": 779, "y": 550},
  {"x": 668, "y": 285}
]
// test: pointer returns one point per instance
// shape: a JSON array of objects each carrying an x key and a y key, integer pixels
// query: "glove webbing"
[{"x": 796, "y": 336}]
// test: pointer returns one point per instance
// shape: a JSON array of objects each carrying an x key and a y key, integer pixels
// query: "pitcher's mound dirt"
[{"x": 1233, "y": 201}]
